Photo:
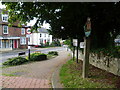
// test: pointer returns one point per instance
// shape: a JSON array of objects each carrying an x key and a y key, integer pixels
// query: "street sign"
[
  {"x": 75, "y": 42},
  {"x": 29, "y": 47},
  {"x": 82, "y": 44},
  {"x": 27, "y": 35},
  {"x": 87, "y": 27}
]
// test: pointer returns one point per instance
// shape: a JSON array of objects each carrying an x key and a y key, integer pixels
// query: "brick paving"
[
  {"x": 33, "y": 75},
  {"x": 21, "y": 82}
]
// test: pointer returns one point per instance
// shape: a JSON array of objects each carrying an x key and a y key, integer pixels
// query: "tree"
[{"x": 67, "y": 19}]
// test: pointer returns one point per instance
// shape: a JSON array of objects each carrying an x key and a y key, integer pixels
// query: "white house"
[{"x": 39, "y": 38}]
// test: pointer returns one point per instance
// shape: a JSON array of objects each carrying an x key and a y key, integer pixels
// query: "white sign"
[
  {"x": 75, "y": 42},
  {"x": 27, "y": 35},
  {"x": 82, "y": 44},
  {"x": 29, "y": 47}
]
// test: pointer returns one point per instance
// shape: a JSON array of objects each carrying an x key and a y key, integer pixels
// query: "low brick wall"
[{"x": 106, "y": 63}]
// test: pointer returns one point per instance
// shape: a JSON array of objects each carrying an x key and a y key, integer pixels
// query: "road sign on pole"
[
  {"x": 75, "y": 42},
  {"x": 82, "y": 45}
]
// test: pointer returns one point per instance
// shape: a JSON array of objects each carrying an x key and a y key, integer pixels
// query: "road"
[{"x": 11, "y": 54}]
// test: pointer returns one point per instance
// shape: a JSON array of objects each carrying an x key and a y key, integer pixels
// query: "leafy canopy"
[{"x": 67, "y": 19}]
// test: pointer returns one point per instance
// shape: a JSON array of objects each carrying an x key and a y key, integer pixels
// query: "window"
[
  {"x": 22, "y": 31},
  {"x": 41, "y": 40},
  {"x": 40, "y": 35},
  {"x": 5, "y": 43},
  {"x": 5, "y": 29},
  {"x": 22, "y": 40},
  {"x": 29, "y": 39},
  {"x": 5, "y": 18},
  {"x": 45, "y": 35}
]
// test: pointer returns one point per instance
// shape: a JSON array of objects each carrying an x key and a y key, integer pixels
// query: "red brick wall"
[
  {"x": 0, "y": 30},
  {"x": 14, "y": 32}
]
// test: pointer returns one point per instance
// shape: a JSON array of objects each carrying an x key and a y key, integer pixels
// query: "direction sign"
[{"x": 82, "y": 44}]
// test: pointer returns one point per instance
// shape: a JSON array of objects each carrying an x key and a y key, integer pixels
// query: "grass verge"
[
  {"x": 71, "y": 77},
  {"x": 8, "y": 74}
]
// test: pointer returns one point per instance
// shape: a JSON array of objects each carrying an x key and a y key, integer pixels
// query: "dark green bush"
[
  {"x": 15, "y": 61},
  {"x": 38, "y": 56},
  {"x": 53, "y": 53}
]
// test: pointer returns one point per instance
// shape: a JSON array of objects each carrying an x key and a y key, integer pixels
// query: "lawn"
[{"x": 71, "y": 77}]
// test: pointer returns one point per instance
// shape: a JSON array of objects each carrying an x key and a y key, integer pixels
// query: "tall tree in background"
[{"x": 67, "y": 19}]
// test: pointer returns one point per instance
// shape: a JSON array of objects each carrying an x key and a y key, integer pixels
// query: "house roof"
[{"x": 42, "y": 30}]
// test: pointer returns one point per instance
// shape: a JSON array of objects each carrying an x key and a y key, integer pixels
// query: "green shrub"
[
  {"x": 15, "y": 61},
  {"x": 38, "y": 56},
  {"x": 53, "y": 53}
]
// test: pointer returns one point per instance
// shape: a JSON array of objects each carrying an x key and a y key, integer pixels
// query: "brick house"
[{"x": 11, "y": 37}]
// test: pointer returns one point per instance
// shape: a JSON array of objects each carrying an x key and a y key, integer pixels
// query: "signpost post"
[
  {"x": 75, "y": 43},
  {"x": 87, "y": 29},
  {"x": 29, "y": 47},
  {"x": 73, "y": 52}
]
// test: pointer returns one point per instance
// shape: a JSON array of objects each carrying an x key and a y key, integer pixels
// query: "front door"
[{"x": 15, "y": 43}]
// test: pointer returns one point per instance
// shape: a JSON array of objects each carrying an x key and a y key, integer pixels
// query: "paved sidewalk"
[
  {"x": 21, "y": 82},
  {"x": 36, "y": 74}
]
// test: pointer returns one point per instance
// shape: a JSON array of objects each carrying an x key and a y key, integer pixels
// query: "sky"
[
  {"x": 32, "y": 22},
  {"x": 2, "y": 6}
]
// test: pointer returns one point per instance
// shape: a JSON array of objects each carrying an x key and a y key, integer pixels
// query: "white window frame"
[
  {"x": 23, "y": 40},
  {"x": 4, "y": 30},
  {"x": 6, "y": 16},
  {"x": 23, "y": 31}
]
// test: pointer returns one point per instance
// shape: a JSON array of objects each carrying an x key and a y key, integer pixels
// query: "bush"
[
  {"x": 15, "y": 61},
  {"x": 53, "y": 53},
  {"x": 37, "y": 56}
]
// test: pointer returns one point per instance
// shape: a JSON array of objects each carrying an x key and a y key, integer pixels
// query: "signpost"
[
  {"x": 29, "y": 47},
  {"x": 75, "y": 43},
  {"x": 82, "y": 45},
  {"x": 73, "y": 52},
  {"x": 87, "y": 29}
]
